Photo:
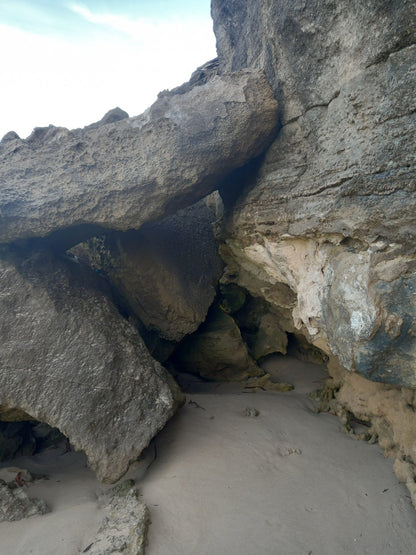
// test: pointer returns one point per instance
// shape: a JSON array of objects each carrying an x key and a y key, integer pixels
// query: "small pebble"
[{"x": 251, "y": 412}]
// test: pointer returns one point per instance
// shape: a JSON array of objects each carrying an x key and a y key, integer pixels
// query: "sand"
[{"x": 288, "y": 481}]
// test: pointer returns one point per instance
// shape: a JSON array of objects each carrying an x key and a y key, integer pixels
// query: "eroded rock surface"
[
  {"x": 216, "y": 351},
  {"x": 388, "y": 412},
  {"x": 331, "y": 211},
  {"x": 15, "y": 504},
  {"x": 68, "y": 358},
  {"x": 166, "y": 272},
  {"x": 124, "y": 528},
  {"x": 123, "y": 174},
  {"x": 309, "y": 50}
]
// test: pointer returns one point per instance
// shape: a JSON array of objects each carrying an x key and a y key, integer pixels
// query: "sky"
[{"x": 67, "y": 62}]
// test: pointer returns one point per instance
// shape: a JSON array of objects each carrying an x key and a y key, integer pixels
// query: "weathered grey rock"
[
  {"x": 123, "y": 174},
  {"x": 167, "y": 271},
  {"x": 200, "y": 76},
  {"x": 310, "y": 49},
  {"x": 68, "y": 358},
  {"x": 124, "y": 528},
  {"x": 116, "y": 114},
  {"x": 15, "y": 504},
  {"x": 331, "y": 212},
  {"x": 216, "y": 351}
]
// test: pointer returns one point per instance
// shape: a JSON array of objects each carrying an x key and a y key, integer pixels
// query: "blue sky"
[{"x": 67, "y": 62}]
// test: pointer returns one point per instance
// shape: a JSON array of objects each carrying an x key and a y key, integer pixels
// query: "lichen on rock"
[
  {"x": 15, "y": 504},
  {"x": 124, "y": 528}
]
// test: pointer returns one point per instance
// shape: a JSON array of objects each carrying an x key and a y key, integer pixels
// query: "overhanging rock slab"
[{"x": 122, "y": 174}]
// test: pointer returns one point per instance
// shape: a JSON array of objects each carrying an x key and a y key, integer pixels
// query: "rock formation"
[
  {"x": 15, "y": 504},
  {"x": 124, "y": 528},
  {"x": 123, "y": 174},
  {"x": 217, "y": 350},
  {"x": 165, "y": 273},
  {"x": 330, "y": 211},
  {"x": 319, "y": 239},
  {"x": 68, "y": 358}
]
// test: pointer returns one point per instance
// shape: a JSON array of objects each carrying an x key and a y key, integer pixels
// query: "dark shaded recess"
[
  {"x": 158, "y": 347},
  {"x": 232, "y": 297},
  {"x": 215, "y": 351},
  {"x": 26, "y": 438},
  {"x": 300, "y": 348},
  {"x": 176, "y": 257},
  {"x": 239, "y": 183},
  {"x": 248, "y": 313},
  {"x": 249, "y": 319},
  {"x": 62, "y": 240}
]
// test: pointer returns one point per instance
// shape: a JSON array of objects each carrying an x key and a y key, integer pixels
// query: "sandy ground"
[{"x": 288, "y": 481}]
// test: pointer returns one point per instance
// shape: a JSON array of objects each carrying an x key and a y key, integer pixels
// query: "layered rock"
[
  {"x": 120, "y": 175},
  {"x": 68, "y": 358},
  {"x": 310, "y": 50},
  {"x": 324, "y": 230},
  {"x": 331, "y": 212}
]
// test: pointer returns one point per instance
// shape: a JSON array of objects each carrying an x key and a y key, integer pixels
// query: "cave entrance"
[
  {"x": 23, "y": 435},
  {"x": 249, "y": 340}
]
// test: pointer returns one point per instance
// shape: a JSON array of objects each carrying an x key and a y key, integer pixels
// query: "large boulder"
[
  {"x": 216, "y": 351},
  {"x": 68, "y": 358},
  {"x": 331, "y": 210},
  {"x": 166, "y": 273},
  {"x": 309, "y": 49},
  {"x": 122, "y": 174}
]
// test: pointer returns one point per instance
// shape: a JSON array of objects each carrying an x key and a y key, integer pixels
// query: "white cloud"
[
  {"x": 72, "y": 83},
  {"x": 139, "y": 29}
]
